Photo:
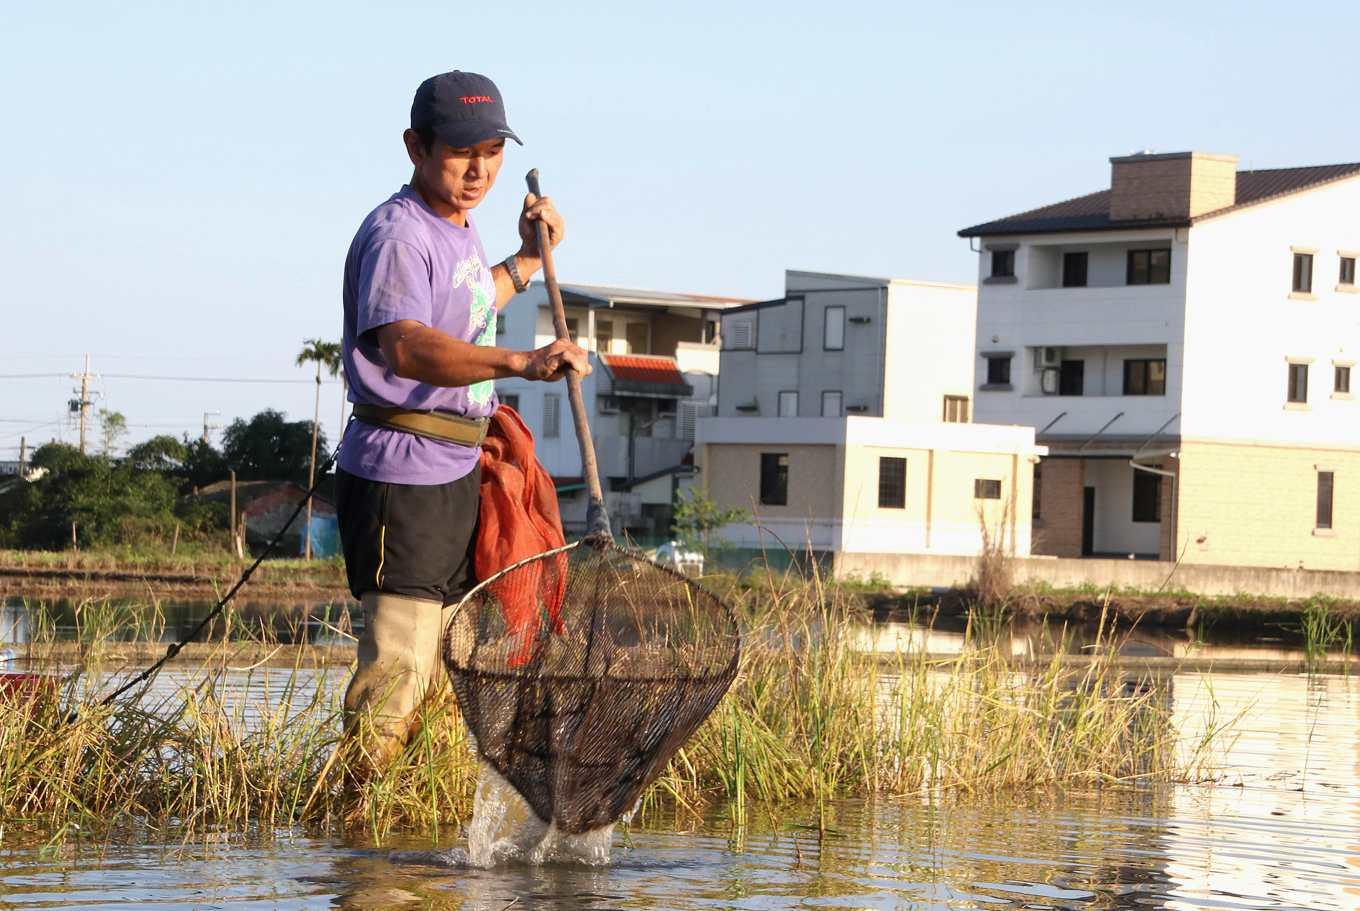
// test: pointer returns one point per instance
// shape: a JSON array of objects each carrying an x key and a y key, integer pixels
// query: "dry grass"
[{"x": 810, "y": 717}]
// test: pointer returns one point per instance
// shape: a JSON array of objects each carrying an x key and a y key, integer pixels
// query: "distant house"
[
  {"x": 844, "y": 425},
  {"x": 265, "y": 507},
  {"x": 1183, "y": 343},
  {"x": 655, "y": 360}
]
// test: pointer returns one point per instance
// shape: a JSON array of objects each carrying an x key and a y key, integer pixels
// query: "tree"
[
  {"x": 325, "y": 354},
  {"x": 268, "y": 447},
  {"x": 112, "y": 428},
  {"x": 696, "y": 517},
  {"x": 161, "y": 453},
  {"x": 202, "y": 464}
]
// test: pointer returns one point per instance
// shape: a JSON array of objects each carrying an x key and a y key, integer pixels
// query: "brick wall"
[
  {"x": 1057, "y": 533},
  {"x": 1171, "y": 186}
]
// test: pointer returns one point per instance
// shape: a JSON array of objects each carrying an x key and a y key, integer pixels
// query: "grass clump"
[{"x": 813, "y": 716}]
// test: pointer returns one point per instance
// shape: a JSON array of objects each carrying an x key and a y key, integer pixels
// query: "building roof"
[
  {"x": 606, "y": 295},
  {"x": 648, "y": 375},
  {"x": 1092, "y": 212},
  {"x": 643, "y": 368}
]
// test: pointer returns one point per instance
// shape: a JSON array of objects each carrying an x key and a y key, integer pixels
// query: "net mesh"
[{"x": 580, "y": 672}]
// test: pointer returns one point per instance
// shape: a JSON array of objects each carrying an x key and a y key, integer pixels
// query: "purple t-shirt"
[{"x": 408, "y": 263}]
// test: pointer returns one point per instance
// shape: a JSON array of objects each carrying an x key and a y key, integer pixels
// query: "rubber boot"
[{"x": 398, "y": 663}]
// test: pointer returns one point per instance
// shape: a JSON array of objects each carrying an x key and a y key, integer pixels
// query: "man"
[{"x": 420, "y": 307}]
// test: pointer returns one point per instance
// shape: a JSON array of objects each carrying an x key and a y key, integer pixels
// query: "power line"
[
  {"x": 49, "y": 376},
  {"x": 209, "y": 379}
]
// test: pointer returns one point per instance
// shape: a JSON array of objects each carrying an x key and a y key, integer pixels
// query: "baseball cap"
[{"x": 460, "y": 108}]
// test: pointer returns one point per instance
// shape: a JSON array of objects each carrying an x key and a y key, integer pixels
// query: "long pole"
[
  {"x": 84, "y": 401},
  {"x": 23, "y": 454},
  {"x": 597, "y": 515},
  {"x": 311, "y": 468}
]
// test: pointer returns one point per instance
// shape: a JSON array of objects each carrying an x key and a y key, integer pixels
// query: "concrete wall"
[
  {"x": 930, "y": 338},
  {"x": 1031, "y": 312},
  {"x": 1243, "y": 326},
  {"x": 1257, "y": 506},
  {"x": 731, "y": 477},
  {"x": 930, "y": 571},
  {"x": 1115, "y": 531}
]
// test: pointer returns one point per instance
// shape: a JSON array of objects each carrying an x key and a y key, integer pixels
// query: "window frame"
[
  {"x": 1071, "y": 256},
  {"x": 510, "y": 399},
  {"x": 1146, "y": 364},
  {"x": 894, "y": 495},
  {"x": 774, "y": 479},
  {"x": 965, "y": 402},
  {"x": 840, "y": 410},
  {"x": 779, "y": 403},
  {"x": 1130, "y": 271},
  {"x": 983, "y": 488},
  {"x": 1147, "y": 498},
  {"x": 1340, "y": 373},
  {"x": 1301, "y": 280},
  {"x": 1002, "y": 258},
  {"x": 995, "y": 381},
  {"x": 1295, "y": 387},
  {"x": 1344, "y": 269},
  {"x": 826, "y": 326},
  {"x": 554, "y": 430},
  {"x": 1069, "y": 370},
  {"x": 1324, "y": 518}
]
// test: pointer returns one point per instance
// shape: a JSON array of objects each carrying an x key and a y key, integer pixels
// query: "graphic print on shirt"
[{"x": 481, "y": 316}]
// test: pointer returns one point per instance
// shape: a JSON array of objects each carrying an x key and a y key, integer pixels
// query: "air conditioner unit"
[
  {"x": 1048, "y": 381},
  {"x": 1050, "y": 356}
]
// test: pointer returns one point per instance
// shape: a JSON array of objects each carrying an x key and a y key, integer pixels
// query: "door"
[{"x": 1088, "y": 521}]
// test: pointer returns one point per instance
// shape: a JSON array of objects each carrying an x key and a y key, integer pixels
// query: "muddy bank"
[
  {"x": 77, "y": 575},
  {"x": 1243, "y": 615}
]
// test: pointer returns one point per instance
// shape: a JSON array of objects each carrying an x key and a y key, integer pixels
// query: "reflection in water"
[{"x": 1280, "y": 830}]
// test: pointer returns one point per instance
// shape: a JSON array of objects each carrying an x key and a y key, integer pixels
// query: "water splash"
[{"x": 504, "y": 830}]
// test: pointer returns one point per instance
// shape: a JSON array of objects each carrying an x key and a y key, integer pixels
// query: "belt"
[{"x": 437, "y": 425}]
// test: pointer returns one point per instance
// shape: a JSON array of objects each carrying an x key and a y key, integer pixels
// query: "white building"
[
  {"x": 655, "y": 360},
  {"x": 1182, "y": 342},
  {"x": 843, "y": 424}
]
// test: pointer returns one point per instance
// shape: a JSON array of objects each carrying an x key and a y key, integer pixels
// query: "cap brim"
[{"x": 463, "y": 135}]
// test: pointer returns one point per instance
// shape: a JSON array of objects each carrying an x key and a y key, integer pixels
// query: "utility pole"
[
  {"x": 23, "y": 455},
  {"x": 208, "y": 428},
  {"x": 82, "y": 404}
]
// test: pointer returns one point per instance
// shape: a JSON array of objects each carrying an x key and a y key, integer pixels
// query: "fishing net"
[{"x": 581, "y": 671}]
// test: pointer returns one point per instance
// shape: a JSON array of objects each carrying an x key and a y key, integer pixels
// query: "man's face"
[{"x": 454, "y": 180}]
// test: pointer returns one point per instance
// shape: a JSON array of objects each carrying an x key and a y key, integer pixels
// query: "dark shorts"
[{"x": 408, "y": 539}]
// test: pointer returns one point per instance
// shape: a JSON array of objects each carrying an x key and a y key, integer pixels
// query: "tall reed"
[{"x": 812, "y": 716}]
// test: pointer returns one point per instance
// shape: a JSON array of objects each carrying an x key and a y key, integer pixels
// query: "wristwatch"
[{"x": 513, "y": 270}]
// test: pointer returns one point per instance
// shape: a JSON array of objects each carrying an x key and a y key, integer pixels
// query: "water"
[{"x": 1280, "y": 829}]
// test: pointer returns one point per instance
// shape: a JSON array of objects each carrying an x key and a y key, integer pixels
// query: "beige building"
[
  {"x": 1183, "y": 344},
  {"x": 843, "y": 425}
]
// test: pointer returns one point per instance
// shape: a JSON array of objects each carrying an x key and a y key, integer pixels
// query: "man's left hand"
[{"x": 538, "y": 209}]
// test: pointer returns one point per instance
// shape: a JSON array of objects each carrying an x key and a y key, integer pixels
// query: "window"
[
  {"x": 1341, "y": 380},
  {"x": 511, "y": 399},
  {"x": 739, "y": 335},
  {"x": 956, "y": 409},
  {"x": 788, "y": 404},
  {"x": 892, "y": 482},
  {"x": 688, "y": 418},
  {"x": 833, "y": 328},
  {"x": 1298, "y": 383},
  {"x": 552, "y": 415},
  {"x": 998, "y": 370},
  {"x": 1347, "y": 270},
  {"x": 1145, "y": 376},
  {"x": 1035, "y": 512},
  {"x": 1303, "y": 273},
  {"x": 1003, "y": 264},
  {"x": 1074, "y": 269},
  {"x": 1147, "y": 496},
  {"x": 1326, "y": 481},
  {"x": 573, "y": 328},
  {"x": 774, "y": 478},
  {"x": 1149, "y": 267},
  {"x": 1071, "y": 378},
  {"x": 986, "y": 489},
  {"x": 637, "y": 336},
  {"x": 832, "y": 403},
  {"x": 604, "y": 335}
]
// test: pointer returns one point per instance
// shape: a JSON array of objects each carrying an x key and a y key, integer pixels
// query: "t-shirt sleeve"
[{"x": 394, "y": 284}]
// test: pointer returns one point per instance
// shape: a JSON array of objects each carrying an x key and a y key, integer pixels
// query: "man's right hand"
[{"x": 551, "y": 362}]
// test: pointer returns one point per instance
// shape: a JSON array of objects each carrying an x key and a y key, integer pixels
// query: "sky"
[{"x": 180, "y": 181}]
